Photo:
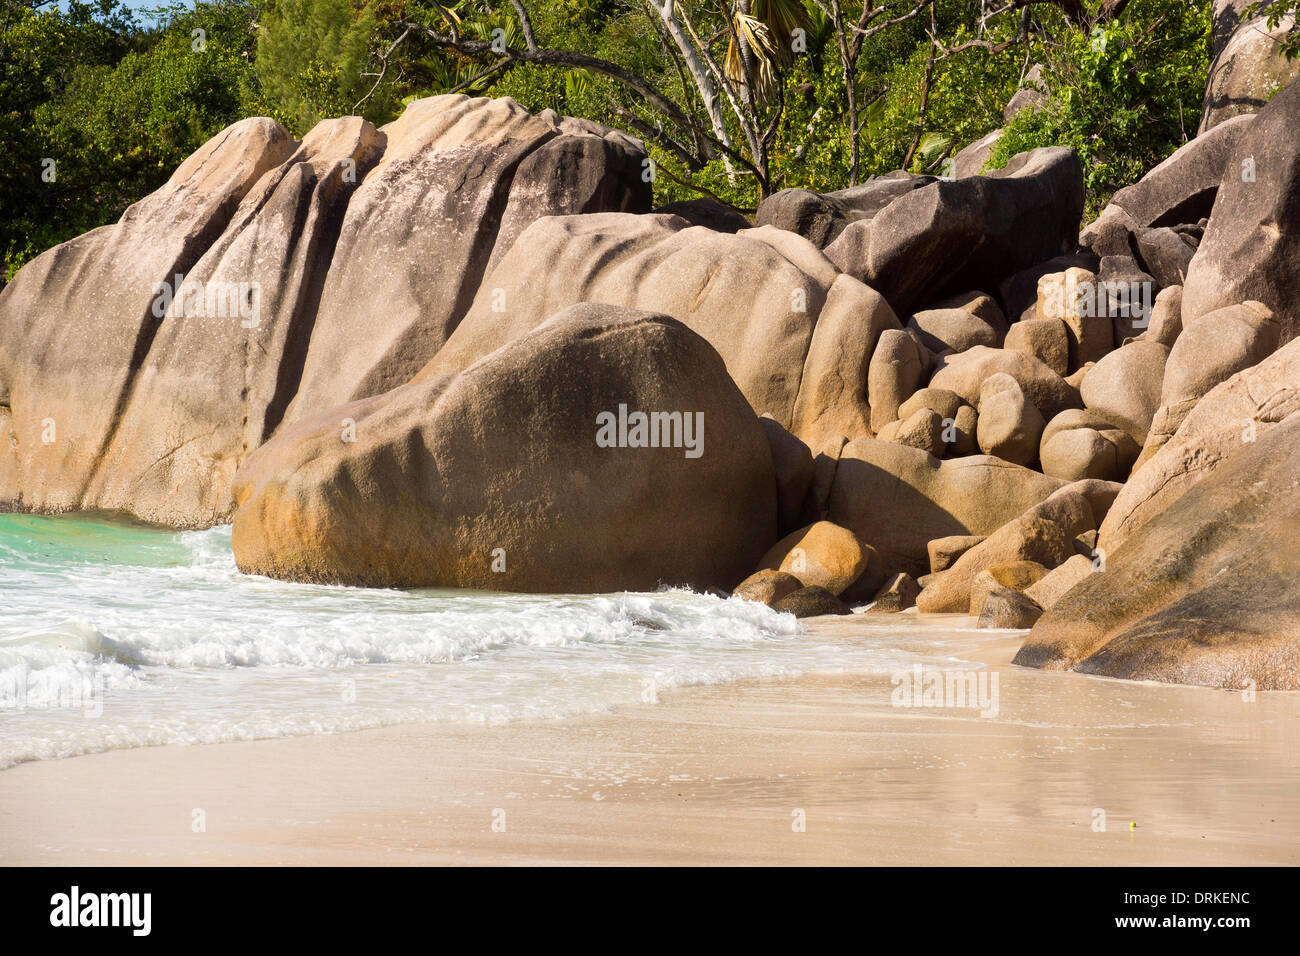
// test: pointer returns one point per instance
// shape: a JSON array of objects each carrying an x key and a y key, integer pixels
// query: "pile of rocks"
[{"x": 917, "y": 392}]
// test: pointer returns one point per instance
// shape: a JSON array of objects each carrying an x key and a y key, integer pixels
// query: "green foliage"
[
  {"x": 115, "y": 107},
  {"x": 1124, "y": 96},
  {"x": 118, "y": 106},
  {"x": 311, "y": 55}
]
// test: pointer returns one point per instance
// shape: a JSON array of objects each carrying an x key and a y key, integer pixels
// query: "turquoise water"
[{"x": 115, "y": 635}]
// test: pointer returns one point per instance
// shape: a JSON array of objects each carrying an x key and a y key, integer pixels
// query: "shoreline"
[{"x": 712, "y": 774}]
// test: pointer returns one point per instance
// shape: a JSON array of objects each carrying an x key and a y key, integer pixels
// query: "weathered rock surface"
[
  {"x": 407, "y": 503},
  {"x": 77, "y": 322},
  {"x": 1043, "y": 534},
  {"x": 811, "y": 602},
  {"x": 869, "y": 581},
  {"x": 1166, "y": 317},
  {"x": 1047, "y": 590},
  {"x": 979, "y": 304},
  {"x": 821, "y": 554},
  {"x": 821, "y": 217},
  {"x": 923, "y": 430},
  {"x": 967, "y": 233},
  {"x": 1124, "y": 387},
  {"x": 767, "y": 586},
  {"x": 1008, "y": 609},
  {"x": 971, "y": 159},
  {"x": 943, "y": 402},
  {"x": 792, "y": 463},
  {"x": 1251, "y": 247},
  {"x": 1016, "y": 575},
  {"x": 897, "y": 594},
  {"x": 895, "y": 371},
  {"x": 966, "y": 373},
  {"x": 1165, "y": 254},
  {"x": 945, "y": 551},
  {"x": 1076, "y": 298},
  {"x": 213, "y": 388},
  {"x": 1180, "y": 189},
  {"x": 1031, "y": 95},
  {"x": 1247, "y": 71},
  {"x": 1207, "y": 594},
  {"x": 460, "y": 179},
  {"x": 755, "y": 296},
  {"x": 1234, "y": 413},
  {"x": 708, "y": 213},
  {"x": 1018, "y": 293},
  {"x": 899, "y": 499},
  {"x": 1215, "y": 347},
  {"x": 270, "y": 277},
  {"x": 1078, "y": 453},
  {"x": 831, "y": 398},
  {"x": 1126, "y": 296},
  {"x": 1009, "y": 425},
  {"x": 1047, "y": 340},
  {"x": 953, "y": 329}
]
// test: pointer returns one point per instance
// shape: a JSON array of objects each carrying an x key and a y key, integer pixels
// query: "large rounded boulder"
[{"x": 607, "y": 449}]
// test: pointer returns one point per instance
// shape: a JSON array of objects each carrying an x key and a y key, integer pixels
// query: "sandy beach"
[{"x": 714, "y": 775}]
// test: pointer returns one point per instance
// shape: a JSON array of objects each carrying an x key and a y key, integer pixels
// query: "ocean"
[{"x": 117, "y": 635}]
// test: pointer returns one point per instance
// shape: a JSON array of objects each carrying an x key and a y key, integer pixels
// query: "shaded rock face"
[
  {"x": 708, "y": 213},
  {"x": 497, "y": 478},
  {"x": 793, "y": 465},
  {"x": 898, "y": 499},
  {"x": 812, "y": 601},
  {"x": 897, "y": 594},
  {"x": 821, "y": 217},
  {"x": 1247, "y": 71},
  {"x": 1008, "y": 609},
  {"x": 460, "y": 180},
  {"x": 264, "y": 278},
  {"x": 1251, "y": 247},
  {"x": 1207, "y": 594},
  {"x": 95, "y": 296},
  {"x": 767, "y": 586},
  {"x": 1181, "y": 189},
  {"x": 968, "y": 233}
]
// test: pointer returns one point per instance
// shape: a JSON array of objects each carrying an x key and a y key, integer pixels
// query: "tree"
[
  {"x": 99, "y": 110},
  {"x": 311, "y": 57}
]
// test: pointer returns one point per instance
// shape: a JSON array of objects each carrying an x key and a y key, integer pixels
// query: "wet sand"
[{"x": 715, "y": 775}]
